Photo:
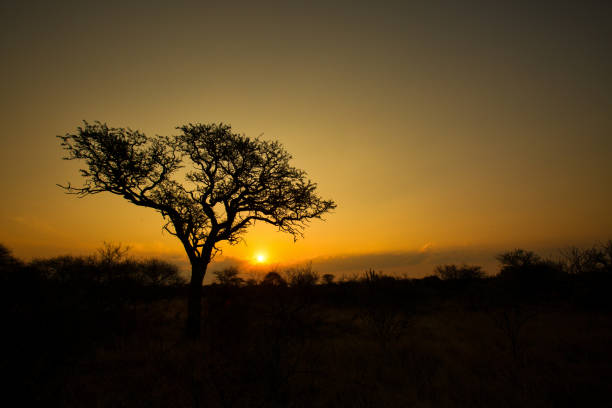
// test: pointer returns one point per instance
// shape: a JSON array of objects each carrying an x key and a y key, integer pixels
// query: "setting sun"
[{"x": 260, "y": 258}]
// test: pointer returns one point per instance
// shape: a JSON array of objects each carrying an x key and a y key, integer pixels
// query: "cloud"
[
  {"x": 361, "y": 262},
  {"x": 415, "y": 264},
  {"x": 426, "y": 247}
]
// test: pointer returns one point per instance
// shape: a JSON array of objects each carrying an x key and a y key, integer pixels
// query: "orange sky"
[{"x": 441, "y": 129}]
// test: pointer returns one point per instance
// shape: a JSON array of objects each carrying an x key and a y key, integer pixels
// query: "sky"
[{"x": 445, "y": 131}]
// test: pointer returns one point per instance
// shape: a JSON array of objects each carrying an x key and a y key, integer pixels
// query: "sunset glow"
[
  {"x": 306, "y": 203},
  {"x": 457, "y": 130}
]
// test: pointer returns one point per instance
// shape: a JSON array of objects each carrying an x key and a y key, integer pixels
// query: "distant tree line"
[
  {"x": 514, "y": 265},
  {"x": 111, "y": 265}
]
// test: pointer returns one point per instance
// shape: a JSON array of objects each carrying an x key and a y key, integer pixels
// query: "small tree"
[
  {"x": 463, "y": 272},
  {"x": 111, "y": 254},
  {"x": 590, "y": 260},
  {"x": 328, "y": 278},
  {"x": 302, "y": 275},
  {"x": 229, "y": 276},
  {"x": 522, "y": 265},
  {"x": 273, "y": 278},
  {"x": 518, "y": 259},
  {"x": 231, "y": 181},
  {"x": 7, "y": 260}
]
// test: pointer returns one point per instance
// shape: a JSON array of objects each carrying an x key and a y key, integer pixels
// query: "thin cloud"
[
  {"x": 362, "y": 262},
  {"x": 416, "y": 264}
]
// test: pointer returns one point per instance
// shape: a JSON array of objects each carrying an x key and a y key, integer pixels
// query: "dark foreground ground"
[{"x": 378, "y": 342}]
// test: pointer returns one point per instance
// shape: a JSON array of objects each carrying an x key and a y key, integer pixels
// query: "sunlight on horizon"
[{"x": 260, "y": 258}]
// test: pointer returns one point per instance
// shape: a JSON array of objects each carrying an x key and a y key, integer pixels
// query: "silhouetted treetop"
[
  {"x": 463, "y": 272},
  {"x": 231, "y": 180},
  {"x": 7, "y": 260}
]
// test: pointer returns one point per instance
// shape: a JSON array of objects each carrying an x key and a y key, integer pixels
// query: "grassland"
[{"x": 505, "y": 341}]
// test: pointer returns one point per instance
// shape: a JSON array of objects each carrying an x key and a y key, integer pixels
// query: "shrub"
[
  {"x": 108, "y": 267},
  {"x": 111, "y": 253},
  {"x": 328, "y": 278},
  {"x": 372, "y": 276},
  {"x": 527, "y": 265},
  {"x": 229, "y": 276},
  {"x": 156, "y": 272},
  {"x": 591, "y": 260},
  {"x": 69, "y": 269},
  {"x": 7, "y": 261},
  {"x": 518, "y": 259},
  {"x": 463, "y": 272},
  {"x": 302, "y": 275},
  {"x": 274, "y": 279}
]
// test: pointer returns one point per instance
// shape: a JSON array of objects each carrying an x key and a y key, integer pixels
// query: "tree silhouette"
[
  {"x": 274, "y": 278},
  {"x": 229, "y": 276},
  {"x": 463, "y": 272},
  {"x": 231, "y": 182}
]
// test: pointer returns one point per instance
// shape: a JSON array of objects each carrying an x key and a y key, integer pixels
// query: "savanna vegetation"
[{"x": 107, "y": 331}]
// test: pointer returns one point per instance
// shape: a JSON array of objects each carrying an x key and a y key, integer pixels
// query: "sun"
[{"x": 260, "y": 257}]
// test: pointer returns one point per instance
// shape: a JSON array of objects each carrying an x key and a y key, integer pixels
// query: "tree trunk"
[{"x": 194, "y": 303}]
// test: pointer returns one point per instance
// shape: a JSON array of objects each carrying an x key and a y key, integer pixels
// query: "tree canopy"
[{"x": 229, "y": 181}]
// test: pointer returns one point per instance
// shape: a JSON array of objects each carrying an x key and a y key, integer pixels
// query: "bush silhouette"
[
  {"x": 328, "y": 278},
  {"x": 274, "y": 279},
  {"x": 463, "y": 272},
  {"x": 7, "y": 261},
  {"x": 229, "y": 276},
  {"x": 157, "y": 272},
  {"x": 521, "y": 265},
  {"x": 112, "y": 254},
  {"x": 300, "y": 276},
  {"x": 109, "y": 267},
  {"x": 597, "y": 259}
]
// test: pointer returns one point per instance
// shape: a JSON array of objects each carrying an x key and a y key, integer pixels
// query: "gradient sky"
[{"x": 445, "y": 131}]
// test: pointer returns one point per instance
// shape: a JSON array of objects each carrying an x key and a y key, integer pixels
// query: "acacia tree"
[{"x": 208, "y": 183}]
